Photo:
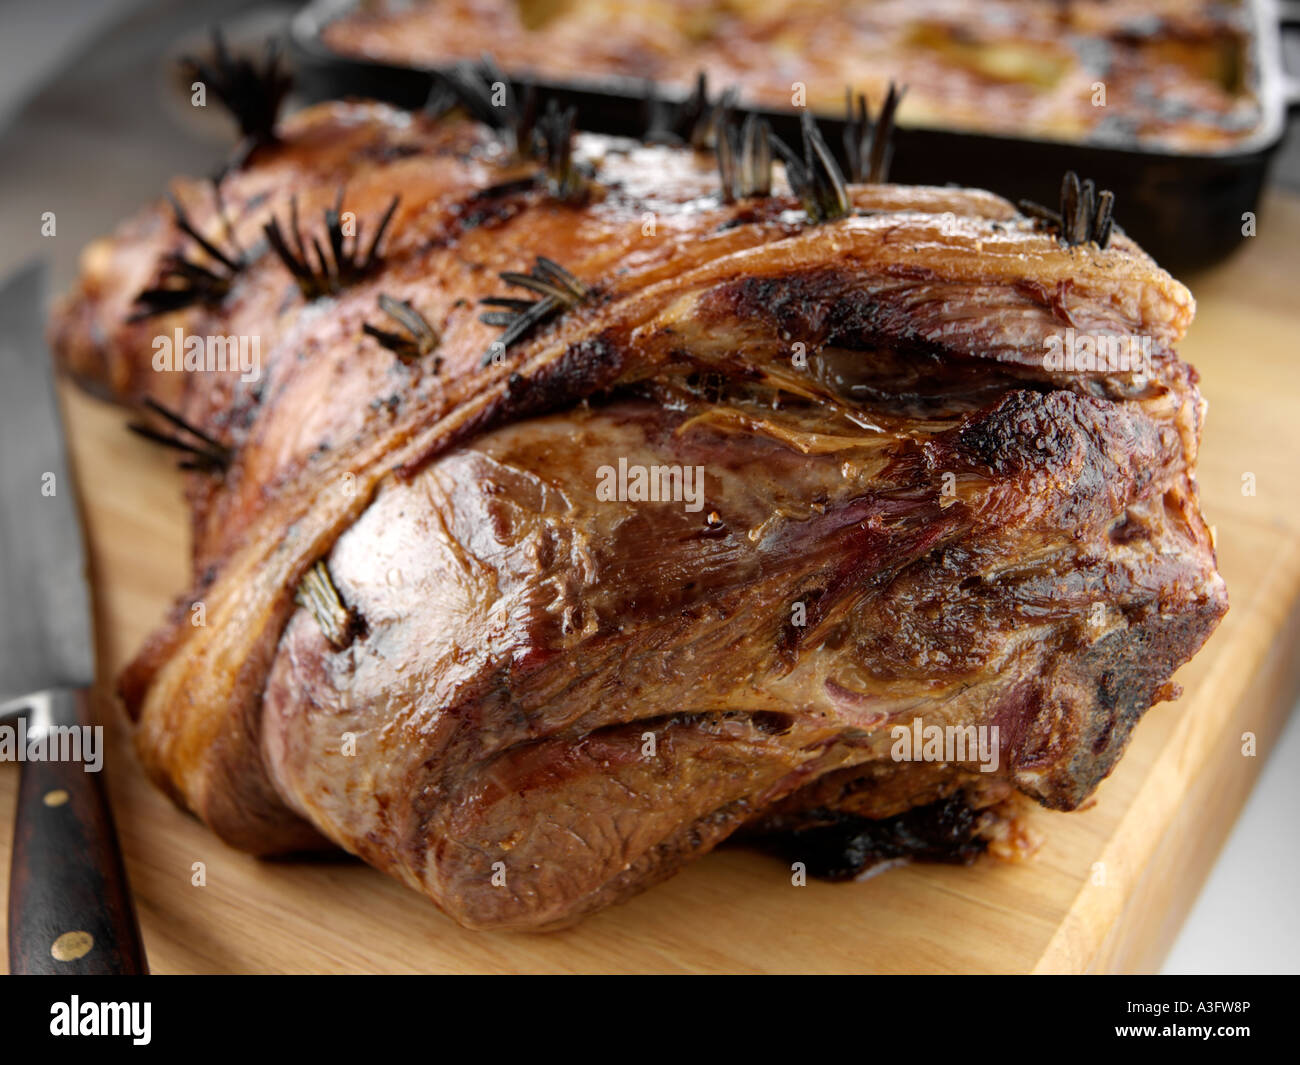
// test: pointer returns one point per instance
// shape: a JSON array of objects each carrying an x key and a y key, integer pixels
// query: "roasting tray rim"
[{"x": 1267, "y": 80}]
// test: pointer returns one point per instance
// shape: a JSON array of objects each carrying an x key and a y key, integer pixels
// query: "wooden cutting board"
[{"x": 1108, "y": 890}]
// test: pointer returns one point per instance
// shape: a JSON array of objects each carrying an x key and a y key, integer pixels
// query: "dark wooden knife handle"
[{"x": 70, "y": 907}]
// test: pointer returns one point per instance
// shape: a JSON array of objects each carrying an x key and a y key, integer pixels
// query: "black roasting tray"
[{"x": 1185, "y": 208}]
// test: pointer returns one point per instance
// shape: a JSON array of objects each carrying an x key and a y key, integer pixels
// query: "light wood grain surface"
[{"x": 1108, "y": 890}]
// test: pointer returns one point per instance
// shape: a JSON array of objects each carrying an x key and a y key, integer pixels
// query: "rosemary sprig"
[
  {"x": 185, "y": 282},
  {"x": 690, "y": 122},
  {"x": 816, "y": 178},
  {"x": 475, "y": 87},
  {"x": 442, "y": 100},
  {"x": 564, "y": 178},
  {"x": 558, "y": 289},
  {"x": 339, "y": 624},
  {"x": 868, "y": 143},
  {"x": 482, "y": 90},
  {"x": 744, "y": 156},
  {"x": 419, "y": 337},
  {"x": 659, "y": 118},
  {"x": 1085, "y": 214},
  {"x": 206, "y": 454},
  {"x": 251, "y": 94},
  {"x": 695, "y": 116},
  {"x": 343, "y": 265}
]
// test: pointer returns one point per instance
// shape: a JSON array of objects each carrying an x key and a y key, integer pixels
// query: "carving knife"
[{"x": 70, "y": 909}]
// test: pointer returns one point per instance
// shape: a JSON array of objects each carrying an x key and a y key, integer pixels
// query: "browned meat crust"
[{"x": 550, "y": 699}]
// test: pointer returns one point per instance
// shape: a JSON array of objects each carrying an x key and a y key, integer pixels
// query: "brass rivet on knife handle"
[
  {"x": 72, "y": 945},
  {"x": 316, "y": 592},
  {"x": 70, "y": 907}
]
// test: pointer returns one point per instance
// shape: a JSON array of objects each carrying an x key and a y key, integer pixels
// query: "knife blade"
[
  {"x": 47, "y": 642},
  {"x": 70, "y": 908}
]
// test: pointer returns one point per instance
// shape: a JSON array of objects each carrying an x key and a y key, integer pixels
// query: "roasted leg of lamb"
[{"x": 735, "y": 476}]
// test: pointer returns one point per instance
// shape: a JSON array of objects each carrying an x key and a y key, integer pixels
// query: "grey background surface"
[{"x": 92, "y": 123}]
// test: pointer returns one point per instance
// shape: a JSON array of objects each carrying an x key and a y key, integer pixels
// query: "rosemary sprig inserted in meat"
[
  {"x": 1085, "y": 214},
  {"x": 339, "y": 624},
  {"x": 816, "y": 178},
  {"x": 744, "y": 156},
  {"x": 690, "y": 122},
  {"x": 487, "y": 94},
  {"x": 868, "y": 143},
  {"x": 558, "y": 289},
  {"x": 345, "y": 262},
  {"x": 185, "y": 282},
  {"x": 206, "y": 454},
  {"x": 418, "y": 337},
  {"x": 251, "y": 94},
  {"x": 564, "y": 178}
]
